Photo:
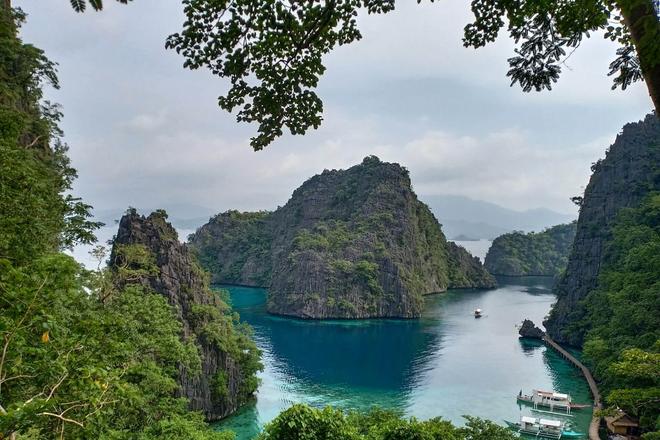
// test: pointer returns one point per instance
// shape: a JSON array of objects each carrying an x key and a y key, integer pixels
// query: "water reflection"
[
  {"x": 445, "y": 364},
  {"x": 530, "y": 346}
]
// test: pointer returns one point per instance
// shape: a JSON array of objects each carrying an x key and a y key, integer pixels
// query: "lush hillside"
[
  {"x": 622, "y": 321},
  {"x": 536, "y": 253},
  {"x": 86, "y": 355},
  {"x": 622, "y": 179},
  {"x": 352, "y": 243},
  {"x": 608, "y": 299},
  {"x": 229, "y": 358},
  {"x": 235, "y": 247}
]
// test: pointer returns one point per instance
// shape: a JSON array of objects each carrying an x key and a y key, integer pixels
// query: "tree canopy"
[
  {"x": 80, "y": 357},
  {"x": 97, "y": 5},
  {"x": 272, "y": 52},
  {"x": 622, "y": 344},
  {"x": 302, "y": 422}
]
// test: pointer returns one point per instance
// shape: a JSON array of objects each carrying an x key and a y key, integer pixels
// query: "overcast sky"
[{"x": 145, "y": 132}]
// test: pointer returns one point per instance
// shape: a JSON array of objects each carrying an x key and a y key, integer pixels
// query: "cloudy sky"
[{"x": 145, "y": 132}]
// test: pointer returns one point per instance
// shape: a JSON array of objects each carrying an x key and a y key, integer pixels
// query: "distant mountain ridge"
[{"x": 461, "y": 215}]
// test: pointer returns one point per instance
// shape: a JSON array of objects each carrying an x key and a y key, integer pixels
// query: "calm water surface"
[{"x": 445, "y": 364}]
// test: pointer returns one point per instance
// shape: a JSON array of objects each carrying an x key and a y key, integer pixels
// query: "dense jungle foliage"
[
  {"x": 536, "y": 253},
  {"x": 622, "y": 325},
  {"x": 80, "y": 357},
  {"x": 301, "y": 422}
]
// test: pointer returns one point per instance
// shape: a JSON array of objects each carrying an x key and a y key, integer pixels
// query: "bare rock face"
[
  {"x": 629, "y": 171},
  {"x": 353, "y": 243},
  {"x": 530, "y": 331},
  {"x": 226, "y": 378}
]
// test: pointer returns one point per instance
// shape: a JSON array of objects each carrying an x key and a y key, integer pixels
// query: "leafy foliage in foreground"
[
  {"x": 302, "y": 422},
  {"x": 83, "y": 368},
  {"x": 272, "y": 52},
  {"x": 80, "y": 358},
  {"x": 623, "y": 321}
]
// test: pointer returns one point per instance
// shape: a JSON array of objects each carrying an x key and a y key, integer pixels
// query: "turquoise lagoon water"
[{"x": 445, "y": 364}]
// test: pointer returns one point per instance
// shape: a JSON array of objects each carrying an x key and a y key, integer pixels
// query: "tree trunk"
[{"x": 641, "y": 18}]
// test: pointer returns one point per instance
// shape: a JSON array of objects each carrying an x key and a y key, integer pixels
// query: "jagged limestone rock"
[
  {"x": 629, "y": 171},
  {"x": 229, "y": 358},
  {"x": 353, "y": 243},
  {"x": 530, "y": 330}
]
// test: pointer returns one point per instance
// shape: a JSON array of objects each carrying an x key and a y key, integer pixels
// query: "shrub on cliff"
[{"x": 302, "y": 422}]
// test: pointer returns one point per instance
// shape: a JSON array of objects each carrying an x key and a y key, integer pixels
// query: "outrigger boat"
[
  {"x": 550, "y": 399},
  {"x": 544, "y": 428},
  {"x": 477, "y": 313}
]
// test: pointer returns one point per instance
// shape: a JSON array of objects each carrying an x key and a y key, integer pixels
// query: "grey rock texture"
[
  {"x": 353, "y": 243},
  {"x": 530, "y": 330},
  {"x": 182, "y": 281},
  {"x": 629, "y": 171}
]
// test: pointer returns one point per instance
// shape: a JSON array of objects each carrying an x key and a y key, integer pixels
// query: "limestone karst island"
[{"x": 329, "y": 220}]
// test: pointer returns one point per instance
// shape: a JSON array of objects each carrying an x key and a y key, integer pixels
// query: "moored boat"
[
  {"x": 542, "y": 428},
  {"x": 550, "y": 399}
]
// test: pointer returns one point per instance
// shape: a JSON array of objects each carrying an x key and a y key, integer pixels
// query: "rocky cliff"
[
  {"x": 235, "y": 247},
  {"x": 533, "y": 254},
  {"x": 629, "y": 171},
  {"x": 353, "y": 243},
  {"x": 229, "y": 359}
]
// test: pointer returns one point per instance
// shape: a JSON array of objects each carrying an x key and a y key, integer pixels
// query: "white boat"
[
  {"x": 545, "y": 428},
  {"x": 477, "y": 313},
  {"x": 550, "y": 399}
]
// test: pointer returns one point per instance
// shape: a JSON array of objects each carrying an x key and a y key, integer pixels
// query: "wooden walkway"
[{"x": 595, "y": 421}]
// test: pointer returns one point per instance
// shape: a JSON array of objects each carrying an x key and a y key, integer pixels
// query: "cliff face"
[
  {"x": 229, "y": 359},
  {"x": 351, "y": 243},
  {"x": 235, "y": 248},
  {"x": 536, "y": 253},
  {"x": 629, "y": 171}
]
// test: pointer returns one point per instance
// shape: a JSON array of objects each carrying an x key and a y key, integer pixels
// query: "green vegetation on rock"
[
  {"x": 627, "y": 174},
  {"x": 235, "y": 247},
  {"x": 622, "y": 324},
  {"x": 85, "y": 354},
  {"x": 353, "y": 243},
  {"x": 536, "y": 253}
]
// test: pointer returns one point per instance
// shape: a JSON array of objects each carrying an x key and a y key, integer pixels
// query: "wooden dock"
[{"x": 595, "y": 421}]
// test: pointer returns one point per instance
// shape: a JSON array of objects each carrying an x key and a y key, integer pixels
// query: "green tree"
[
  {"x": 302, "y": 422},
  {"x": 80, "y": 358},
  {"x": 272, "y": 52},
  {"x": 37, "y": 213},
  {"x": 622, "y": 343}
]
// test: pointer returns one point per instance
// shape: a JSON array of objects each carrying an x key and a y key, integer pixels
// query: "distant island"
[
  {"x": 463, "y": 237},
  {"x": 535, "y": 253},
  {"x": 353, "y": 243}
]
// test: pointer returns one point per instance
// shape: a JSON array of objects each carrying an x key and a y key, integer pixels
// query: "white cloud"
[
  {"x": 144, "y": 131},
  {"x": 506, "y": 166}
]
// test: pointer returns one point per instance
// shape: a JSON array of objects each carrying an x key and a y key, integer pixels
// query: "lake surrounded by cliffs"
[{"x": 445, "y": 364}]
